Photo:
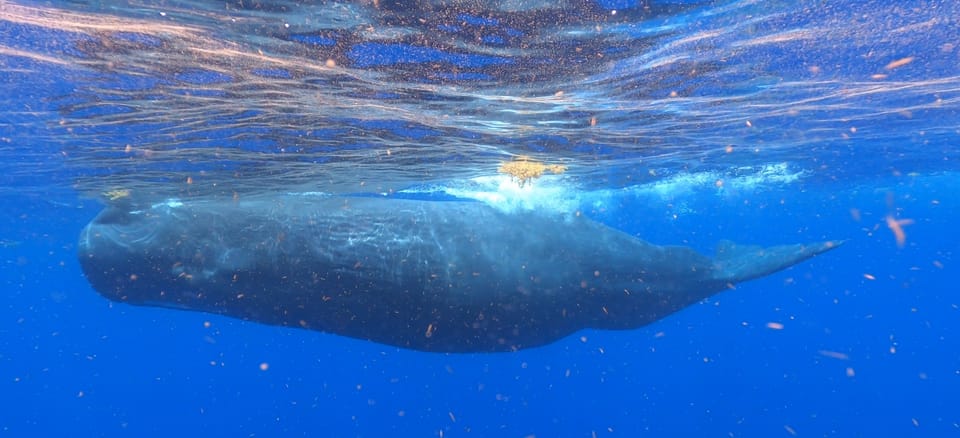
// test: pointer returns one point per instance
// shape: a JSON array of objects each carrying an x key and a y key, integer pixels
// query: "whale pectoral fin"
[{"x": 735, "y": 263}]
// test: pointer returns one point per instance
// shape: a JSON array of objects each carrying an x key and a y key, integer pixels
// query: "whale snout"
[{"x": 111, "y": 249}]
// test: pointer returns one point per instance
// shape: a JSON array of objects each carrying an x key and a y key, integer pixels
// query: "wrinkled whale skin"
[{"x": 425, "y": 275}]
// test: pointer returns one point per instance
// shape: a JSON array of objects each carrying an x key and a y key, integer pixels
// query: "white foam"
[
  {"x": 547, "y": 194},
  {"x": 722, "y": 183},
  {"x": 311, "y": 194},
  {"x": 559, "y": 194},
  {"x": 165, "y": 204}
]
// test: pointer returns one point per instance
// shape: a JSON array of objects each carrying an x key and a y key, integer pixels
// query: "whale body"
[{"x": 445, "y": 276}]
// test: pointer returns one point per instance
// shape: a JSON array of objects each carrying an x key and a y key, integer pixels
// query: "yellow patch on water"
[
  {"x": 523, "y": 169},
  {"x": 113, "y": 195}
]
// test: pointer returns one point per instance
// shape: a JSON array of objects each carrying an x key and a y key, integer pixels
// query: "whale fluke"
[{"x": 735, "y": 263}]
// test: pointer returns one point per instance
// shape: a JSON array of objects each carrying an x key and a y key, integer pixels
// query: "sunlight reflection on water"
[{"x": 190, "y": 98}]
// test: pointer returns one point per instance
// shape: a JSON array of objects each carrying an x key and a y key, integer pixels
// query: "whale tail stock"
[{"x": 736, "y": 263}]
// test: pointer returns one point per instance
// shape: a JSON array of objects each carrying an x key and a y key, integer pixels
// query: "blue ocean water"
[{"x": 679, "y": 122}]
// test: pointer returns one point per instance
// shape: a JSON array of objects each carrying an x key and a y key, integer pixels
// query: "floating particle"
[
  {"x": 896, "y": 226},
  {"x": 899, "y": 63},
  {"x": 833, "y": 354}
]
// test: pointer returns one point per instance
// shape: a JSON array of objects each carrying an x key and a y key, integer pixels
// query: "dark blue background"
[{"x": 76, "y": 364}]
